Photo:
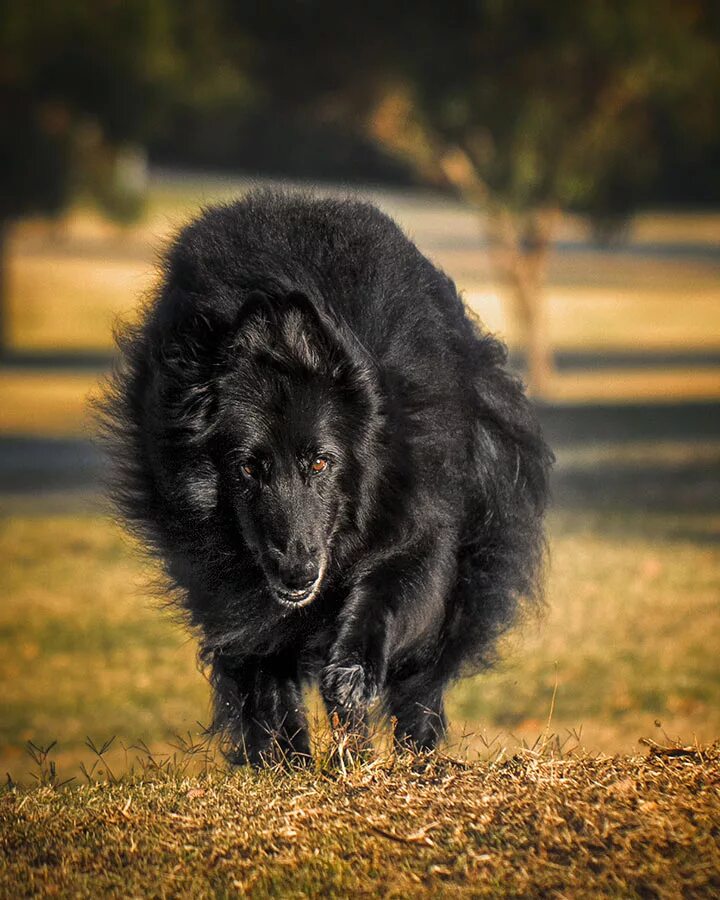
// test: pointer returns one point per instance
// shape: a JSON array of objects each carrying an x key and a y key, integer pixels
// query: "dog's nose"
[{"x": 298, "y": 574}]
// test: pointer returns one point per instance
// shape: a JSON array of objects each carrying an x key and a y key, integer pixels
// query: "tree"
[
  {"x": 525, "y": 107},
  {"x": 83, "y": 83}
]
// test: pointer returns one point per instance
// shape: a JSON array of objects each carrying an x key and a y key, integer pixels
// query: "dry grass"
[
  {"x": 45, "y": 404},
  {"x": 85, "y": 647},
  {"x": 69, "y": 283},
  {"x": 55, "y": 404},
  {"x": 69, "y": 300},
  {"x": 631, "y": 636},
  {"x": 531, "y": 825},
  {"x": 633, "y": 385},
  {"x": 629, "y": 646}
]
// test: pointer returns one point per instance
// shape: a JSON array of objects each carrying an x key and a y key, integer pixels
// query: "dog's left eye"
[
  {"x": 318, "y": 465},
  {"x": 249, "y": 470}
]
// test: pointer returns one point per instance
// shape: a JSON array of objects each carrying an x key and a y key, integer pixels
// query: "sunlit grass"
[
  {"x": 628, "y": 646},
  {"x": 69, "y": 283},
  {"x": 72, "y": 301},
  {"x": 631, "y": 635},
  {"x": 536, "y": 825},
  {"x": 38, "y": 403},
  {"x": 85, "y": 648}
]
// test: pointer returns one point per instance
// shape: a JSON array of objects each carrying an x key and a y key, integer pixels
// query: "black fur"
[{"x": 290, "y": 333}]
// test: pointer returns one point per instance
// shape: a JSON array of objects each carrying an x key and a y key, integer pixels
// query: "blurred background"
[{"x": 561, "y": 161}]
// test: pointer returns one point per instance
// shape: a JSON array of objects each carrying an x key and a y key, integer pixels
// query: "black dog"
[{"x": 343, "y": 482}]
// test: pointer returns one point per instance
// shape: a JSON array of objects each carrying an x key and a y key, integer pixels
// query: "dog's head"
[{"x": 297, "y": 415}]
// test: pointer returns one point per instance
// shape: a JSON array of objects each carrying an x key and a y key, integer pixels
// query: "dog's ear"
[
  {"x": 304, "y": 334},
  {"x": 254, "y": 322},
  {"x": 287, "y": 328}
]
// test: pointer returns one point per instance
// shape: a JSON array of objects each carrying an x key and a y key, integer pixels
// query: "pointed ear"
[
  {"x": 254, "y": 322},
  {"x": 257, "y": 304},
  {"x": 287, "y": 328},
  {"x": 302, "y": 331}
]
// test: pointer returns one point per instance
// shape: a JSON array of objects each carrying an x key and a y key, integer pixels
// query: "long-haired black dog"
[{"x": 342, "y": 480}]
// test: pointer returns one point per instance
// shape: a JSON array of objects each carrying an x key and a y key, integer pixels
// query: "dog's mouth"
[{"x": 299, "y": 598}]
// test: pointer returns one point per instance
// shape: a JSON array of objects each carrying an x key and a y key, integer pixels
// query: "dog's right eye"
[
  {"x": 249, "y": 470},
  {"x": 318, "y": 466}
]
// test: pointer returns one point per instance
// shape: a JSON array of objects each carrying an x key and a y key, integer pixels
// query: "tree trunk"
[
  {"x": 520, "y": 246},
  {"x": 533, "y": 315},
  {"x": 520, "y": 257}
]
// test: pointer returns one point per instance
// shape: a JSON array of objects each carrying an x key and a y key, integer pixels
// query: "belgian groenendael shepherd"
[{"x": 342, "y": 480}]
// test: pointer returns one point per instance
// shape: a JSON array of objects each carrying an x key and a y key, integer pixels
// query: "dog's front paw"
[{"x": 347, "y": 686}]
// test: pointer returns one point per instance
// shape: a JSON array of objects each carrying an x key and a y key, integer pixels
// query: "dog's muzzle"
[{"x": 302, "y": 597}]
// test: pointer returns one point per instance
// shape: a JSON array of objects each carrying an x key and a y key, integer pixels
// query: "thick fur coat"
[{"x": 344, "y": 483}]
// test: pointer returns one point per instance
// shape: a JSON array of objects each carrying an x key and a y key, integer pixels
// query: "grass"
[
  {"x": 54, "y": 404},
  {"x": 98, "y": 680},
  {"x": 76, "y": 602},
  {"x": 631, "y": 636},
  {"x": 613, "y": 645},
  {"x": 35, "y": 403},
  {"x": 70, "y": 298},
  {"x": 41, "y": 404},
  {"x": 69, "y": 282},
  {"x": 531, "y": 825}
]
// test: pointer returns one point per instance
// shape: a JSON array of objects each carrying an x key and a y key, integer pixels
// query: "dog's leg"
[
  {"x": 416, "y": 704},
  {"x": 259, "y": 712},
  {"x": 355, "y": 671},
  {"x": 389, "y": 610}
]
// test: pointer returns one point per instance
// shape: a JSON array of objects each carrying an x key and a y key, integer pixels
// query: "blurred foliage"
[
  {"x": 576, "y": 104},
  {"x": 590, "y": 106},
  {"x": 288, "y": 145},
  {"x": 84, "y": 83},
  {"x": 522, "y": 106}
]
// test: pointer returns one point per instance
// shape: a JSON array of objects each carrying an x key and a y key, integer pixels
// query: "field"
[
  {"x": 530, "y": 826},
  {"x": 630, "y": 637},
  {"x": 70, "y": 280},
  {"x": 544, "y": 786}
]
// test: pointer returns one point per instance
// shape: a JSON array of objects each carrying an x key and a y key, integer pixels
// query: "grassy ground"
[
  {"x": 35, "y": 403},
  {"x": 71, "y": 281},
  {"x": 630, "y": 637},
  {"x": 527, "y": 826},
  {"x": 70, "y": 296},
  {"x": 628, "y": 647},
  {"x": 55, "y": 404}
]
